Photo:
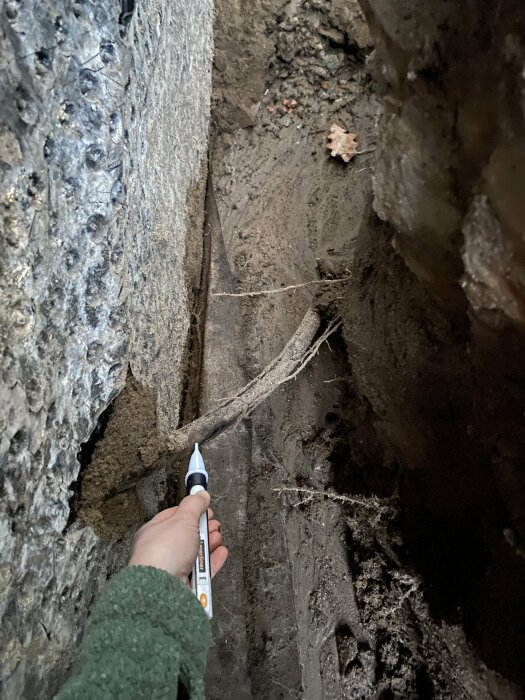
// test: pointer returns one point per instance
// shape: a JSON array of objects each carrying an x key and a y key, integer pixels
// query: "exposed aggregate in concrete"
[{"x": 102, "y": 106}]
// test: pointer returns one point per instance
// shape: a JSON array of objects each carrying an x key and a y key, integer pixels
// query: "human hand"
[{"x": 170, "y": 541}]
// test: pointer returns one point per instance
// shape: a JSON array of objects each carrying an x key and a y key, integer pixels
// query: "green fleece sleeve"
[{"x": 147, "y": 634}]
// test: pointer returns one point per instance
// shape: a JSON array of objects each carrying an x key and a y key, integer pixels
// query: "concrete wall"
[{"x": 103, "y": 136}]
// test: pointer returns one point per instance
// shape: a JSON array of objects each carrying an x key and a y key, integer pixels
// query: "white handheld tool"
[{"x": 197, "y": 480}]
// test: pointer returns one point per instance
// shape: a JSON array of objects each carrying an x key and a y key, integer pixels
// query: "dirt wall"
[
  {"x": 434, "y": 324},
  {"x": 103, "y": 134},
  {"x": 331, "y": 596}
]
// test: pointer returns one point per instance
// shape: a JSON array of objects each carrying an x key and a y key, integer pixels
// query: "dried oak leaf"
[{"x": 341, "y": 143}]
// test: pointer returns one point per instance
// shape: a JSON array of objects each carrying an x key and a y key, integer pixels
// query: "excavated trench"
[
  {"x": 365, "y": 562},
  {"x": 358, "y": 552}
]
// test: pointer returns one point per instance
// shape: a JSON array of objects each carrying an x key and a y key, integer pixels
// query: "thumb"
[{"x": 194, "y": 506}]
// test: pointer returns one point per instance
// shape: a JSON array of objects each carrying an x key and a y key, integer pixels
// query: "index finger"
[{"x": 194, "y": 506}]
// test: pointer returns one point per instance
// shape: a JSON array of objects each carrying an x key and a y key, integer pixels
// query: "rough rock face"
[
  {"x": 102, "y": 139},
  {"x": 436, "y": 332}
]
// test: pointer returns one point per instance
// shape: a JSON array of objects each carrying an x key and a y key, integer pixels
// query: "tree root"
[
  {"x": 308, "y": 494},
  {"x": 297, "y": 353},
  {"x": 279, "y": 290}
]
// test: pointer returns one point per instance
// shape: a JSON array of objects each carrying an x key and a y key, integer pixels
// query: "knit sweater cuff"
[{"x": 165, "y": 603}]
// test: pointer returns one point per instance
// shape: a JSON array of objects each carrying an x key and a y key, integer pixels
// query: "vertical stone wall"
[{"x": 103, "y": 131}]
